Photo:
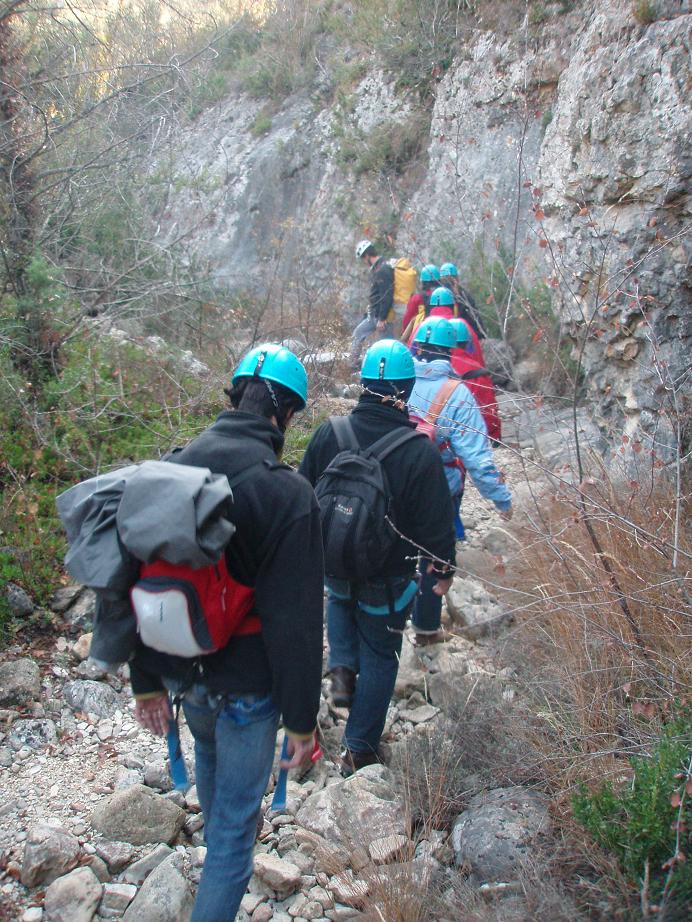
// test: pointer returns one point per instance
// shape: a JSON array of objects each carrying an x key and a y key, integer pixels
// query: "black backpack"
[{"x": 355, "y": 504}]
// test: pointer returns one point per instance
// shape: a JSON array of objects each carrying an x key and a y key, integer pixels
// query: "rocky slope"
[{"x": 560, "y": 152}]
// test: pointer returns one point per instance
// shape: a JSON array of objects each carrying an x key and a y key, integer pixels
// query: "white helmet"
[{"x": 362, "y": 247}]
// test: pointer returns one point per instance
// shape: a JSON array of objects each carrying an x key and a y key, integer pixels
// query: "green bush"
[
  {"x": 638, "y": 821},
  {"x": 262, "y": 125}
]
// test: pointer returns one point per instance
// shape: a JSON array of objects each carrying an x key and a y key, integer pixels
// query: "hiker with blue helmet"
[
  {"x": 446, "y": 410},
  {"x": 418, "y": 305},
  {"x": 380, "y": 300},
  {"x": 465, "y": 305},
  {"x": 366, "y": 616},
  {"x": 234, "y": 698},
  {"x": 441, "y": 304}
]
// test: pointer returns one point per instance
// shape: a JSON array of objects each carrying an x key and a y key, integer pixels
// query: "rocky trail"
[{"x": 90, "y": 828}]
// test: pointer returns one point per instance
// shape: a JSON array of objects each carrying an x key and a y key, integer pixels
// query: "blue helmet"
[
  {"x": 461, "y": 330},
  {"x": 276, "y": 363},
  {"x": 449, "y": 270},
  {"x": 429, "y": 273},
  {"x": 436, "y": 331},
  {"x": 387, "y": 360},
  {"x": 442, "y": 297}
]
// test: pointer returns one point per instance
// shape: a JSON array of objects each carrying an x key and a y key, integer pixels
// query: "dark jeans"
[{"x": 370, "y": 646}]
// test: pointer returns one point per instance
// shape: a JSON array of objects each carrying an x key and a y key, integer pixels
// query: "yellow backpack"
[{"x": 405, "y": 280}]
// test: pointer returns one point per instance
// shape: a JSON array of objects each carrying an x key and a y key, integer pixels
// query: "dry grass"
[{"x": 607, "y": 631}]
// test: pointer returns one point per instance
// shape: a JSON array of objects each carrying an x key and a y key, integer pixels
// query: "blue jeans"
[
  {"x": 365, "y": 328},
  {"x": 370, "y": 646},
  {"x": 234, "y": 751}
]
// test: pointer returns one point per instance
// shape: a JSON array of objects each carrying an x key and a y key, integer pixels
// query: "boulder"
[
  {"x": 34, "y": 733},
  {"x": 355, "y": 811},
  {"x": 91, "y": 697},
  {"x": 64, "y": 597},
  {"x": 49, "y": 852},
  {"x": 74, "y": 897},
  {"x": 411, "y": 676},
  {"x": 156, "y": 775},
  {"x": 138, "y": 816},
  {"x": 20, "y": 682},
  {"x": 495, "y": 835},
  {"x": 165, "y": 895}
]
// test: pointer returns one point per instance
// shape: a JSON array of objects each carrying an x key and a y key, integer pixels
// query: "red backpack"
[{"x": 192, "y": 612}]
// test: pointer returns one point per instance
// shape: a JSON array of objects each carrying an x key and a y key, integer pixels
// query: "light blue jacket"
[{"x": 462, "y": 428}]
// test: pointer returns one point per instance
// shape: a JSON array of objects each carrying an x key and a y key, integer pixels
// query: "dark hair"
[
  {"x": 371, "y": 251},
  {"x": 264, "y": 398},
  {"x": 428, "y": 353}
]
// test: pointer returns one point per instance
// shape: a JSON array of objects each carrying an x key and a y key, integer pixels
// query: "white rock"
[{"x": 280, "y": 875}]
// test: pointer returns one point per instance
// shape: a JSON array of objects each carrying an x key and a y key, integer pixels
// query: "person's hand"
[
  {"x": 300, "y": 752},
  {"x": 506, "y": 514},
  {"x": 154, "y": 714},
  {"x": 380, "y": 326},
  {"x": 443, "y": 585}
]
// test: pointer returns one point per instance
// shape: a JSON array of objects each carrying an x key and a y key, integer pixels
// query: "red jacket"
[
  {"x": 478, "y": 380},
  {"x": 476, "y": 353}
]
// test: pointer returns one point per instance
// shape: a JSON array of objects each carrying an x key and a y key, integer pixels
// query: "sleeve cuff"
[{"x": 300, "y": 737}]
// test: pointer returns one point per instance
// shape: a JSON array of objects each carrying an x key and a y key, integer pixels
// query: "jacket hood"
[{"x": 432, "y": 371}]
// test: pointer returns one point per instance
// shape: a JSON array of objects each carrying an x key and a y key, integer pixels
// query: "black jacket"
[
  {"x": 381, "y": 289},
  {"x": 277, "y": 548},
  {"x": 422, "y": 504}
]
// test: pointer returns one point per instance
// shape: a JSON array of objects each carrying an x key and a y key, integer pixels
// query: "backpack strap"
[
  {"x": 474, "y": 373},
  {"x": 390, "y": 442},
  {"x": 441, "y": 398},
  {"x": 248, "y": 471},
  {"x": 343, "y": 430}
]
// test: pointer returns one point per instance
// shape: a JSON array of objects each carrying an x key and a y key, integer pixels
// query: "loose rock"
[
  {"x": 35, "y": 734},
  {"x": 165, "y": 895},
  {"x": 138, "y": 816},
  {"x": 91, "y": 697},
  {"x": 19, "y": 601},
  {"x": 20, "y": 682},
  {"x": 49, "y": 852},
  {"x": 115, "y": 854},
  {"x": 73, "y": 898},
  {"x": 140, "y": 870},
  {"x": 282, "y": 876},
  {"x": 116, "y": 898}
]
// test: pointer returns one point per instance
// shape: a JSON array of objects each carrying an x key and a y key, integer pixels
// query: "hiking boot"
[
  {"x": 426, "y": 640},
  {"x": 343, "y": 686},
  {"x": 352, "y": 761}
]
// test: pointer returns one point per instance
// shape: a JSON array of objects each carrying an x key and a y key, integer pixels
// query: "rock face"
[
  {"x": 546, "y": 150},
  {"x": 356, "y": 811},
  {"x": 138, "y": 816},
  {"x": 50, "y": 851},
  {"x": 20, "y": 682},
  {"x": 496, "y": 833}
]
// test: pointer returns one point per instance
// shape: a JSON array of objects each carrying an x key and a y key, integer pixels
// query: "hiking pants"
[
  {"x": 366, "y": 328},
  {"x": 370, "y": 646}
]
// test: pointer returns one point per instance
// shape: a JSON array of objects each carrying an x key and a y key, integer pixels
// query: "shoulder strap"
[
  {"x": 441, "y": 398},
  {"x": 475, "y": 373},
  {"x": 390, "y": 442},
  {"x": 343, "y": 430}
]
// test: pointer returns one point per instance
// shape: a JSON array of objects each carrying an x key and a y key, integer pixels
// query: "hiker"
[
  {"x": 380, "y": 300},
  {"x": 233, "y": 699},
  {"x": 405, "y": 282},
  {"x": 466, "y": 306},
  {"x": 476, "y": 378},
  {"x": 446, "y": 409},
  {"x": 366, "y": 617},
  {"x": 441, "y": 304},
  {"x": 418, "y": 304}
]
